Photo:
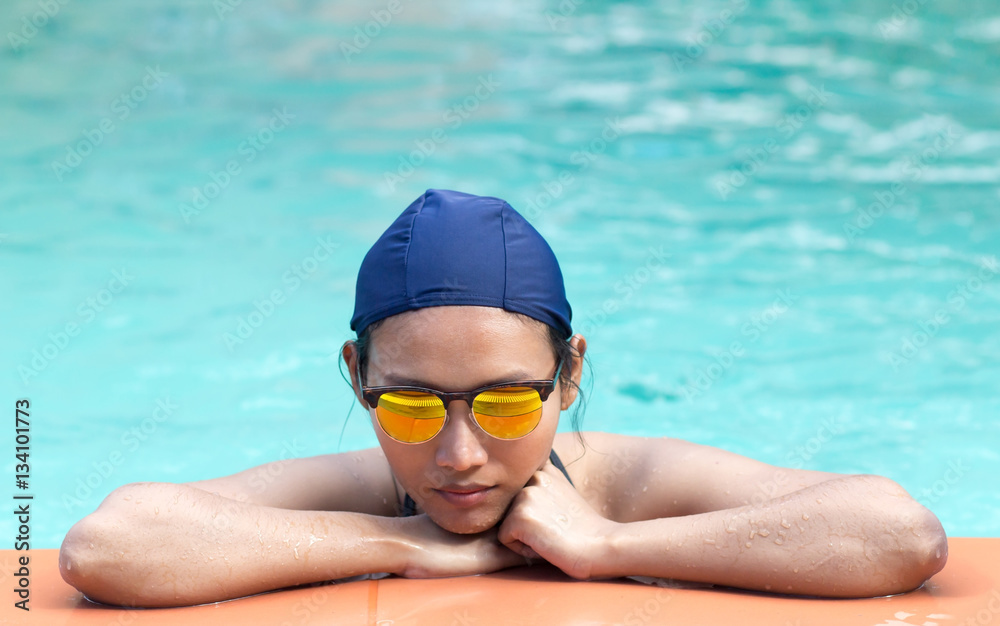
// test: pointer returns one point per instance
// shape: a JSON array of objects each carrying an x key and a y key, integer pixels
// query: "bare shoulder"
[
  {"x": 631, "y": 478},
  {"x": 358, "y": 481}
]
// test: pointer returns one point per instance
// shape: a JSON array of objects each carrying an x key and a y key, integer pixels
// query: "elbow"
[
  {"x": 97, "y": 556},
  {"x": 925, "y": 550},
  {"x": 904, "y": 544},
  {"x": 921, "y": 545},
  {"x": 83, "y": 563}
]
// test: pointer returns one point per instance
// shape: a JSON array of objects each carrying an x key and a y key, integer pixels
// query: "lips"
[{"x": 464, "y": 496}]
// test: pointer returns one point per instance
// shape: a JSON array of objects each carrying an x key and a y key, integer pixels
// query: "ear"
[
  {"x": 579, "y": 345},
  {"x": 349, "y": 352}
]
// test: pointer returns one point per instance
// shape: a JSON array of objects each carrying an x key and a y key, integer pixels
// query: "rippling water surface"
[{"x": 778, "y": 222}]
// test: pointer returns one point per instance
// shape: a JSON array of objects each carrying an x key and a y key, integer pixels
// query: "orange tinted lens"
[
  {"x": 508, "y": 413},
  {"x": 410, "y": 417}
]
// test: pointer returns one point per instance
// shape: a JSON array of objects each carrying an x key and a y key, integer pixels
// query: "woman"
[{"x": 465, "y": 358}]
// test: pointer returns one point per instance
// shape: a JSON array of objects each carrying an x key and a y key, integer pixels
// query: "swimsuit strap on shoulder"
[{"x": 559, "y": 466}]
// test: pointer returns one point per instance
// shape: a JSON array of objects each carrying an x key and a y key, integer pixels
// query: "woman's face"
[{"x": 463, "y": 478}]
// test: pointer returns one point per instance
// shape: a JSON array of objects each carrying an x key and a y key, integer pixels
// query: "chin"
[{"x": 469, "y": 522}]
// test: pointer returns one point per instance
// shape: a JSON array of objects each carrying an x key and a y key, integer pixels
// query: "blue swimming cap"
[{"x": 452, "y": 248}]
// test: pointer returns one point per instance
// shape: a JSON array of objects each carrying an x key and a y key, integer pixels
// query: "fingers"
[
  {"x": 546, "y": 475},
  {"x": 525, "y": 555}
]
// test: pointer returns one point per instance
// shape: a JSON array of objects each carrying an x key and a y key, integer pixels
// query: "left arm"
[{"x": 716, "y": 517}]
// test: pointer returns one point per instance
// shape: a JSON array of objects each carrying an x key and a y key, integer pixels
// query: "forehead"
[{"x": 459, "y": 347}]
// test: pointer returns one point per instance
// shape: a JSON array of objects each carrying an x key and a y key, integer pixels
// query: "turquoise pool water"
[{"x": 776, "y": 222}]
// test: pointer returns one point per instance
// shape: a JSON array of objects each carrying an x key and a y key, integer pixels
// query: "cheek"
[{"x": 415, "y": 469}]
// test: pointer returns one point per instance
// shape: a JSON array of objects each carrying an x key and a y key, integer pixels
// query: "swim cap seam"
[
  {"x": 503, "y": 233},
  {"x": 409, "y": 241}
]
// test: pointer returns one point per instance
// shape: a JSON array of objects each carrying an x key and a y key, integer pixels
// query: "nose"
[{"x": 460, "y": 444}]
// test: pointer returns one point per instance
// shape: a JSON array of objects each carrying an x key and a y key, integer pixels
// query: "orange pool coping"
[{"x": 967, "y": 591}]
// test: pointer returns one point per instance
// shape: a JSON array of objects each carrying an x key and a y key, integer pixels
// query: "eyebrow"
[{"x": 393, "y": 380}]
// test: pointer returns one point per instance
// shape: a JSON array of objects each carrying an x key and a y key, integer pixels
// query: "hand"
[
  {"x": 551, "y": 520},
  {"x": 433, "y": 552}
]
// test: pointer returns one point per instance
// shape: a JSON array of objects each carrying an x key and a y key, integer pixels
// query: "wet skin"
[{"x": 463, "y": 478}]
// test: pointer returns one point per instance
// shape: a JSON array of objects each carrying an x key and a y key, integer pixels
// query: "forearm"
[
  {"x": 156, "y": 544},
  {"x": 855, "y": 536}
]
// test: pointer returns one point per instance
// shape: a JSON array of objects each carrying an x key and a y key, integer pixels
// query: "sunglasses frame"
[{"x": 372, "y": 395}]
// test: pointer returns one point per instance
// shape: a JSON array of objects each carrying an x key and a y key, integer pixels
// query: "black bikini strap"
[
  {"x": 562, "y": 468},
  {"x": 410, "y": 507}
]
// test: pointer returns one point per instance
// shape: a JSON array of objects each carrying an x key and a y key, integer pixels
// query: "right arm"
[{"x": 162, "y": 544}]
